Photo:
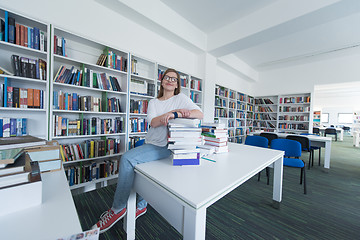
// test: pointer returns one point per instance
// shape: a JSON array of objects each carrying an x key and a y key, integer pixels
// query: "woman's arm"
[{"x": 182, "y": 113}]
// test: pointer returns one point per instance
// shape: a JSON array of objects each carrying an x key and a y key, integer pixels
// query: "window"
[
  {"x": 325, "y": 117},
  {"x": 345, "y": 118}
]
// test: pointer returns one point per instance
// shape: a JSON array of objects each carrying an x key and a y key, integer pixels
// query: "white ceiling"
[{"x": 261, "y": 34}]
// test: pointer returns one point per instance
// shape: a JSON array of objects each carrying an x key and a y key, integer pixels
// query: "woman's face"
[{"x": 170, "y": 81}]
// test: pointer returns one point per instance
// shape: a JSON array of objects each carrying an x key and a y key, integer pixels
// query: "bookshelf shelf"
[
  {"x": 101, "y": 180},
  {"x": 93, "y": 159},
  {"x": 89, "y": 136},
  {"x": 20, "y": 56}
]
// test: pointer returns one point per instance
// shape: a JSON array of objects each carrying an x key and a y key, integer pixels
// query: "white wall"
[
  {"x": 90, "y": 19},
  {"x": 232, "y": 81},
  {"x": 336, "y": 68},
  {"x": 333, "y": 115}
]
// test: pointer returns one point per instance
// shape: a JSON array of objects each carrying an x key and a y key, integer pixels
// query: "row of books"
[
  {"x": 28, "y": 67},
  {"x": 262, "y": 124},
  {"x": 183, "y": 81},
  {"x": 221, "y": 91},
  {"x": 12, "y": 127},
  {"x": 26, "y": 36},
  {"x": 87, "y": 78},
  {"x": 263, "y": 116},
  {"x": 294, "y": 109},
  {"x": 59, "y": 46},
  {"x": 135, "y": 141},
  {"x": 184, "y": 139},
  {"x": 74, "y": 127},
  {"x": 90, "y": 149},
  {"x": 89, "y": 172},
  {"x": 195, "y": 84},
  {"x": 195, "y": 97},
  {"x": 293, "y": 126},
  {"x": 295, "y": 100},
  {"x": 138, "y": 106},
  {"x": 21, "y": 97},
  {"x": 263, "y": 101},
  {"x": 219, "y": 102},
  {"x": 219, "y": 112},
  {"x": 138, "y": 125},
  {"x": 72, "y": 101},
  {"x": 263, "y": 109},
  {"x": 112, "y": 60},
  {"x": 294, "y": 118}
]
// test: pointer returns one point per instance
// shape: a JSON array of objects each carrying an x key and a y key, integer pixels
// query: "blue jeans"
[{"x": 142, "y": 154}]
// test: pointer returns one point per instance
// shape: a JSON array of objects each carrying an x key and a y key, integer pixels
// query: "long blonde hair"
[{"x": 177, "y": 89}]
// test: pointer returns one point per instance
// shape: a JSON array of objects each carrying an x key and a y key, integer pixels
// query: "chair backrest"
[
  {"x": 257, "y": 141},
  {"x": 316, "y": 130},
  {"x": 346, "y": 128},
  {"x": 304, "y": 141},
  {"x": 269, "y": 136},
  {"x": 330, "y": 131},
  {"x": 291, "y": 148}
]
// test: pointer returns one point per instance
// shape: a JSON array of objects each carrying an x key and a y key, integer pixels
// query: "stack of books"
[
  {"x": 215, "y": 135},
  {"x": 184, "y": 139},
  {"x": 20, "y": 182}
]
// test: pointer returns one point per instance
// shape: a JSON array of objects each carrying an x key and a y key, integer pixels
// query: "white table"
[
  {"x": 339, "y": 131},
  {"x": 56, "y": 217},
  {"x": 181, "y": 194}
]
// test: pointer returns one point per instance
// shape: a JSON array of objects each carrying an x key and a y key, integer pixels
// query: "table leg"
[
  {"x": 341, "y": 135},
  {"x": 194, "y": 223},
  {"x": 129, "y": 220},
  {"x": 327, "y": 154},
  {"x": 278, "y": 178}
]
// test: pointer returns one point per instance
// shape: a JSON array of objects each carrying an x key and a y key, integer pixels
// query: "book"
[
  {"x": 20, "y": 142},
  {"x": 47, "y": 155},
  {"x": 8, "y": 156},
  {"x": 213, "y": 125},
  {"x": 184, "y": 122},
  {"x": 13, "y": 179}
]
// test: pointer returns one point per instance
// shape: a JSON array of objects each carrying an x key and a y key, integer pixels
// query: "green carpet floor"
[{"x": 330, "y": 209}]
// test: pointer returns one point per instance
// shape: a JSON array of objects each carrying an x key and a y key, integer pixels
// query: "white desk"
[
  {"x": 181, "y": 194},
  {"x": 339, "y": 131},
  {"x": 56, "y": 217}
]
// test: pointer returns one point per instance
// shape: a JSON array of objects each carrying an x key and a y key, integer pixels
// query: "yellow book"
[
  {"x": 62, "y": 153},
  {"x": 92, "y": 149}
]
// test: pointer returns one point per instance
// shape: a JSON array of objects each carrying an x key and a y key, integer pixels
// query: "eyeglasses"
[{"x": 170, "y": 79}]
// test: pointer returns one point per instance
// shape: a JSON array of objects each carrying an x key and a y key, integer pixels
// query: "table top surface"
[
  {"x": 311, "y": 137},
  {"x": 200, "y": 186},
  {"x": 56, "y": 217}
]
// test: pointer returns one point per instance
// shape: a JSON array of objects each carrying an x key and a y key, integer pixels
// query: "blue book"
[
  {"x": 179, "y": 162},
  {"x": 36, "y": 38},
  {"x": 5, "y": 92},
  {"x": 6, "y": 26},
  {"x": 72, "y": 176},
  {"x": 12, "y": 127},
  {"x": 18, "y": 127},
  {"x": 24, "y": 126},
  {"x": 1, "y": 127},
  {"x": 29, "y": 37},
  {"x": 37, "y": 72},
  {"x": 32, "y": 37},
  {"x": 41, "y": 99},
  {"x": 63, "y": 46}
]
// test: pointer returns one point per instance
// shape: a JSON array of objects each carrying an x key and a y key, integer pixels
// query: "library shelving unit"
[
  {"x": 142, "y": 90},
  {"x": 317, "y": 119},
  {"x": 265, "y": 116},
  {"x": 249, "y": 114},
  {"x": 236, "y": 110},
  {"x": 295, "y": 113},
  {"x": 89, "y": 102},
  {"x": 24, "y": 59},
  {"x": 191, "y": 86}
]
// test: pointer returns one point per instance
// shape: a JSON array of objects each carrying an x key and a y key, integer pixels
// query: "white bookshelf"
[
  {"x": 82, "y": 54},
  {"x": 265, "y": 117},
  {"x": 236, "y": 110},
  {"x": 37, "y": 124}
]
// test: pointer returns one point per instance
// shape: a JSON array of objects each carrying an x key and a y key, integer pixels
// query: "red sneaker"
[
  {"x": 140, "y": 212},
  {"x": 108, "y": 219}
]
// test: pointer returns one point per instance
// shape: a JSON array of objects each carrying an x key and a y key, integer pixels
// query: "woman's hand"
[
  {"x": 165, "y": 118},
  {"x": 185, "y": 113}
]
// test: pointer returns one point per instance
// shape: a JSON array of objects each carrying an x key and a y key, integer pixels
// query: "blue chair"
[
  {"x": 292, "y": 155},
  {"x": 258, "y": 141},
  {"x": 270, "y": 136},
  {"x": 313, "y": 148}
]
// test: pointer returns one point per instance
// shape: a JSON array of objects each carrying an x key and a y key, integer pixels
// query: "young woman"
[{"x": 169, "y": 104}]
